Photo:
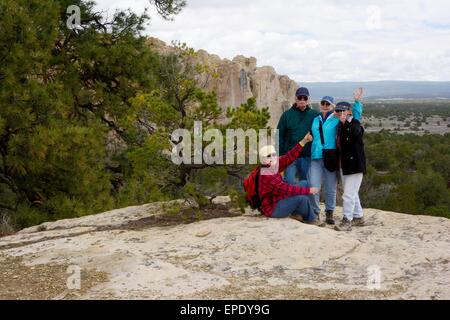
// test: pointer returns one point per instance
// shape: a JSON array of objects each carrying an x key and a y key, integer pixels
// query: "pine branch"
[{"x": 4, "y": 206}]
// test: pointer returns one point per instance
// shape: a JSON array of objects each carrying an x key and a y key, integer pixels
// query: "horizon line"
[{"x": 367, "y": 81}]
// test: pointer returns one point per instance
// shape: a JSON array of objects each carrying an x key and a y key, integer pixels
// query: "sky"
[{"x": 316, "y": 41}]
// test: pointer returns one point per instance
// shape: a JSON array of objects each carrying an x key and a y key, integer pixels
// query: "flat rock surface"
[{"x": 396, "y": 256}]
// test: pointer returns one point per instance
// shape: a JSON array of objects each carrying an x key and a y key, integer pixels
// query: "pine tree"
[
  {"x": 62, "y": 93},
  {"x": 86, "y": 114}
]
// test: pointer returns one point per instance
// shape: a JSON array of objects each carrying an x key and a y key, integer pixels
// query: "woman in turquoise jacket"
[{"x": 329, "y": 123}]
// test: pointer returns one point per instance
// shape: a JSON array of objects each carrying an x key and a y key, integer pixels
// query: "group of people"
[{"x": 315, "y": 148}]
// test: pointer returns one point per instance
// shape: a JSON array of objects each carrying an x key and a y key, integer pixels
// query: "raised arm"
[
  {"x": 286, "y": 160},
  {"x": 292, "y": 155},
  {"x": 358, "y": 106},
  {"x": 357, "y": 110}
]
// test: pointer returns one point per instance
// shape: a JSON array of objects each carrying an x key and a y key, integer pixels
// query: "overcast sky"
[{"x": 317, "y": 40}]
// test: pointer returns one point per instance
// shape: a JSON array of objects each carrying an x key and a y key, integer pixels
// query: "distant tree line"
[
  {"x": 408, "y": 173},
  {"x": 420, "y": 110}
]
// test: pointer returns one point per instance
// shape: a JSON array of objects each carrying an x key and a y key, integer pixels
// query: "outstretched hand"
[
  {"x": 307, "y": 139},
  {"x": 358, "y": 94}
]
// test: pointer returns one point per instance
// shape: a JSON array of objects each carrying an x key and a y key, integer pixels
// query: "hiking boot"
[
  {"x": 329, "y": 218},
  {"x": 358, "y": 222},
  {"x": 345, "y": 225}
]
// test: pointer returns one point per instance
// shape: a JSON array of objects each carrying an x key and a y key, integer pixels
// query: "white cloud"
[{"x": 321, "y": 40}]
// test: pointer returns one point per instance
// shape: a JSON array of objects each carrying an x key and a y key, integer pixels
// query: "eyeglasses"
[
  {"x": 302, "y": 98},
  {"x": 339, "y": 111},
  {"x": 325, "y": 103}
]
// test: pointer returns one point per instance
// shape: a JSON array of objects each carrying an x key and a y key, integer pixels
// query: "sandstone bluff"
[{"x": 240, "y": 79}]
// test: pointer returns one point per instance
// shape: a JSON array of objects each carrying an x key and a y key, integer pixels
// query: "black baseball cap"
[
  {"x": 302, "y": 92},
  {"x": 343, "y": 106}
]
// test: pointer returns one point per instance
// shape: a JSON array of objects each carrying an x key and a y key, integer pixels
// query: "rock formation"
[
  {"x": 121, "y": 255},
  {"x": 241, "y": 79}
]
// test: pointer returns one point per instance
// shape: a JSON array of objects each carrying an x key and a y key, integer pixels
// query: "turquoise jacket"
[{"x": 329, "y": 131}]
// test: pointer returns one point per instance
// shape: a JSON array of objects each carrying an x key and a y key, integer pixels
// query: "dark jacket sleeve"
[
  {"x": 356, "y": 129},
  {"x": 282, "y": 134}
]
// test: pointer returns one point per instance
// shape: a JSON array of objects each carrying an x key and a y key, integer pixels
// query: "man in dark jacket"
[
  {"x": 294, "y": 124},
  {"x": 353, "y": 165}
]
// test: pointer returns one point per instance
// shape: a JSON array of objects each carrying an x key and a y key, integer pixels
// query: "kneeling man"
[{"x": 279, "y": 199}]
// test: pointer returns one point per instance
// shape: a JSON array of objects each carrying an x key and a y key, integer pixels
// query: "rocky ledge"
[{"x": 128, "y": 253}]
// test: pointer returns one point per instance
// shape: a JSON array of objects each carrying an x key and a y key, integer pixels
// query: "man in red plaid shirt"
[{"x": 279, "y": 199}]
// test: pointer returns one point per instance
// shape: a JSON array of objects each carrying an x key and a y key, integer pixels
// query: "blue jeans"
[
  {"x": 317, "y": 173},
  {"x": 296, "y": 205},
  {"x": 300, "y": 167}
]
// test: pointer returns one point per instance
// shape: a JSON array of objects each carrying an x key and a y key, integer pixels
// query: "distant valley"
[{"x": 381, "y": 89}]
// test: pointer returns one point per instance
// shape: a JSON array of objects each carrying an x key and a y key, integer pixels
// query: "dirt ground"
[
  {"x": 41, "y": 282},
  {"x": 184, "y": 217}
]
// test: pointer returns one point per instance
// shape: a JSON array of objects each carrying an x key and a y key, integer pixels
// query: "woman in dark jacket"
[{"x": 353, "y": 165}]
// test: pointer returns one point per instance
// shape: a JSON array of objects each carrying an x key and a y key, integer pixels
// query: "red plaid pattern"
[{"x": 272, "y": 189}]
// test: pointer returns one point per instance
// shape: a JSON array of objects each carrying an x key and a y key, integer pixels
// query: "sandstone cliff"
[
  {"x": 241, "y": 79},
  {"x": 125, "y": 254}
]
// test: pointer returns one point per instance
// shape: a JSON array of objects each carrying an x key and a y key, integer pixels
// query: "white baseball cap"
[{"x": 266, "y": 151}]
